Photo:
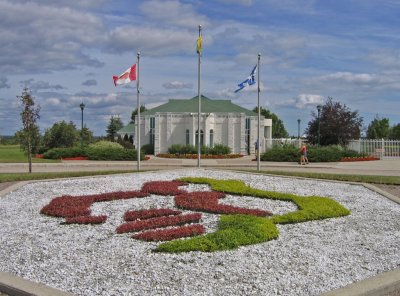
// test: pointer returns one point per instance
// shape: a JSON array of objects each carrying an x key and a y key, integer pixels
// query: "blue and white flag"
[{"x": 249, "y": 81}]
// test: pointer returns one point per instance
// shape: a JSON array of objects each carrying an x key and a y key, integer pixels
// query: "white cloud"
[
  {"x": 306, "y": 100},
  {"x": 150, "y": 41},
  {"x": 177, "y": 85},
  {"x": 173, "y": 13},
  {"x": 353, "y": 78},
  {"x": 39, "y": 38}
]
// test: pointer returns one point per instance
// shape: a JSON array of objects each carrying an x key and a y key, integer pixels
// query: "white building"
[{"x": 221, "y": 122}]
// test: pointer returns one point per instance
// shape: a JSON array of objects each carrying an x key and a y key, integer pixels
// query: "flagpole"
[
  {"x": 199, "y": 110},
  {"x": 259, "y": 114},
  {"x": 138, "y": 113}
]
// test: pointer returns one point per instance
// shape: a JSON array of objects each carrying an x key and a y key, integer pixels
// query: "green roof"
[
  {"x": 127, "y": 129},
  {"x": 192, "y": 105}
]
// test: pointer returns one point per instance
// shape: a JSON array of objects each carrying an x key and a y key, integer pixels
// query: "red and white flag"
[{"x": 126, "y": 77}]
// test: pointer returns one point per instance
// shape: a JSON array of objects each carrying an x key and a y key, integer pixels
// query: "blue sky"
[{"x": 67, "y": 51}]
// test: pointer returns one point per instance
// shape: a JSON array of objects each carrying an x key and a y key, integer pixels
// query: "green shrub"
[
  {"x": 105, "y": 144},
  {"x": 182, "y": 149},
  {"x": 57, "y": 153},
  {"x": 220, "y": 149},
  {"x": 95, "y": 153},
  {"x": 148, "y": 149},
  {"x": 314, "y": 154}
]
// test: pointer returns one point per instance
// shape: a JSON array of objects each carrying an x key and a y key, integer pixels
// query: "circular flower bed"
[{"x": 240, "y": 226}]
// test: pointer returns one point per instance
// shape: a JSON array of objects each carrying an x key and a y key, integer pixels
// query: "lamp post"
[
  {"x": 298, "y": 128},
  {"x": 82, "y": 105},
  {"x": 319, "y": 131}
]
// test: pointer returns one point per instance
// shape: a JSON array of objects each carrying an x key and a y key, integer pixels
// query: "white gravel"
[{"x": 307, "y": 258}]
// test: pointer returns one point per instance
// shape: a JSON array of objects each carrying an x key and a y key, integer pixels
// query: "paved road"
[{"x": 385, "y": 167}]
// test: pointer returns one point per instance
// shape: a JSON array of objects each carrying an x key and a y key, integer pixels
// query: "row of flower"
[
  {"x": 158, "y": 222},
  {"x": 364, "y": 158},
  {"x": 203, "y": 156}
]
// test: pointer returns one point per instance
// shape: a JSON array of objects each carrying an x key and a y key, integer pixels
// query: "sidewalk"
[{"x": 385, "y": 167}]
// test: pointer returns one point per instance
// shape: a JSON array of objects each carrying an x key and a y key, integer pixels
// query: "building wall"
[{"x": 229, "y": 130}]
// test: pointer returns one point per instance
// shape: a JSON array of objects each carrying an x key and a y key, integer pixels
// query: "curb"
[
  {"x": 382, "y": 284},
  {"x": 17, "y": 286}
]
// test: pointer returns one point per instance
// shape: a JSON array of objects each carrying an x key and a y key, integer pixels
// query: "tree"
[
  {"x": 29, "y": 136},
  {"x": 134, "y": 112},
  {"x": 87, "y": 136},
  {"x": 114, "y": 125},
  {"x": 395, "y": 132},
  {"x": 61, "y": 135},
  {"x": 378, "y": 128},
  {"x": 278, "y": 129},
  {"x": 338, "y": 124}
]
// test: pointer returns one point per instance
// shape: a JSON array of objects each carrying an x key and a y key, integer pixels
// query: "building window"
[
  {"x": 152, "y": 130},
  {"x": 247, "y": 135},
  {"x": 187, "y": 137},
  {"x": 211, "y": 138},
  {"x": 201, "y": 138}
]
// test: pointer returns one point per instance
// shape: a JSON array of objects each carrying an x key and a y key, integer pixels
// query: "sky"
[{"x": 66, "y": 52}]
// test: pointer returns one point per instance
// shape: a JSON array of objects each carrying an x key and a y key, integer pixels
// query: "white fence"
[
  {"x": 271, "y": 143},
  {"x": 379, "y": 148}
]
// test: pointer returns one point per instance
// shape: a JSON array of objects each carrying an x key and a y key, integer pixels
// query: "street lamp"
[
  {"x": 319, "y": 131},
  {"x": 82, "y": 105},
  {"x": 298, "y": 128}
]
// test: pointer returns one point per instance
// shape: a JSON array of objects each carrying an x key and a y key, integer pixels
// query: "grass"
[
  {"x": 13, "y": 154},
  {"x": 14, "y": 177},
  {"x": 375, "y": 179}
]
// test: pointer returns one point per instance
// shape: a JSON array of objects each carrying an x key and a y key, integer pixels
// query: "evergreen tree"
[
  {"x": 61, "y": 135},
  {"x": 134, "y": 112},
  {"x": 114, "y": 125}
]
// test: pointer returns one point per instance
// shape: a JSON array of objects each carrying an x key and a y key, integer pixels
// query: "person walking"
[{"x": 303, "y": 154}]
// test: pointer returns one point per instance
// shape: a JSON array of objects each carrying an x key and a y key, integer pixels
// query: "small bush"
[
  {"x": 218, "y": 149},
  {"x": 105, "y": 144},
  {"x": 112, "y": 154},
  {"x": 148, "y": 149},
  {"x": 314, "y": 154},
  {"x": 57, "y": 153}
]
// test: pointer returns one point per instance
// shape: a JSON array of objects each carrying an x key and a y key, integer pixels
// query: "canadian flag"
[{"x": 126, "y": 77}]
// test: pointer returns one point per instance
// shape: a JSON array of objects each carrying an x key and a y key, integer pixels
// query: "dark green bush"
[
  {"x": 218, "y": 149},
  {"x": 148, "y": 149},
  {"x": 57, "y": 153},
  {"x": 322, "y": 154},
  {"x": 93, "y": 153},
  {"x": 182, "y": 149},
  {"x": 112, "y": 154}
]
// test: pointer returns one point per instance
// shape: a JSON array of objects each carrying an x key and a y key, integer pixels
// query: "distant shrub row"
[
  {"x": 314, "y": 154},
  {"x": 102, "y": 150}
]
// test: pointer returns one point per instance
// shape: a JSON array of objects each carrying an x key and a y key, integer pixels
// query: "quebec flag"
[{"x": 249, "y": 81}]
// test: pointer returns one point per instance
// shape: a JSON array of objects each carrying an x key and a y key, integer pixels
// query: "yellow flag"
[{"x": 199, "y": 44}]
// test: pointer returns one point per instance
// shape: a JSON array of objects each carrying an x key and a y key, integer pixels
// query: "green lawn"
[{"x": 12, "y": 153}]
